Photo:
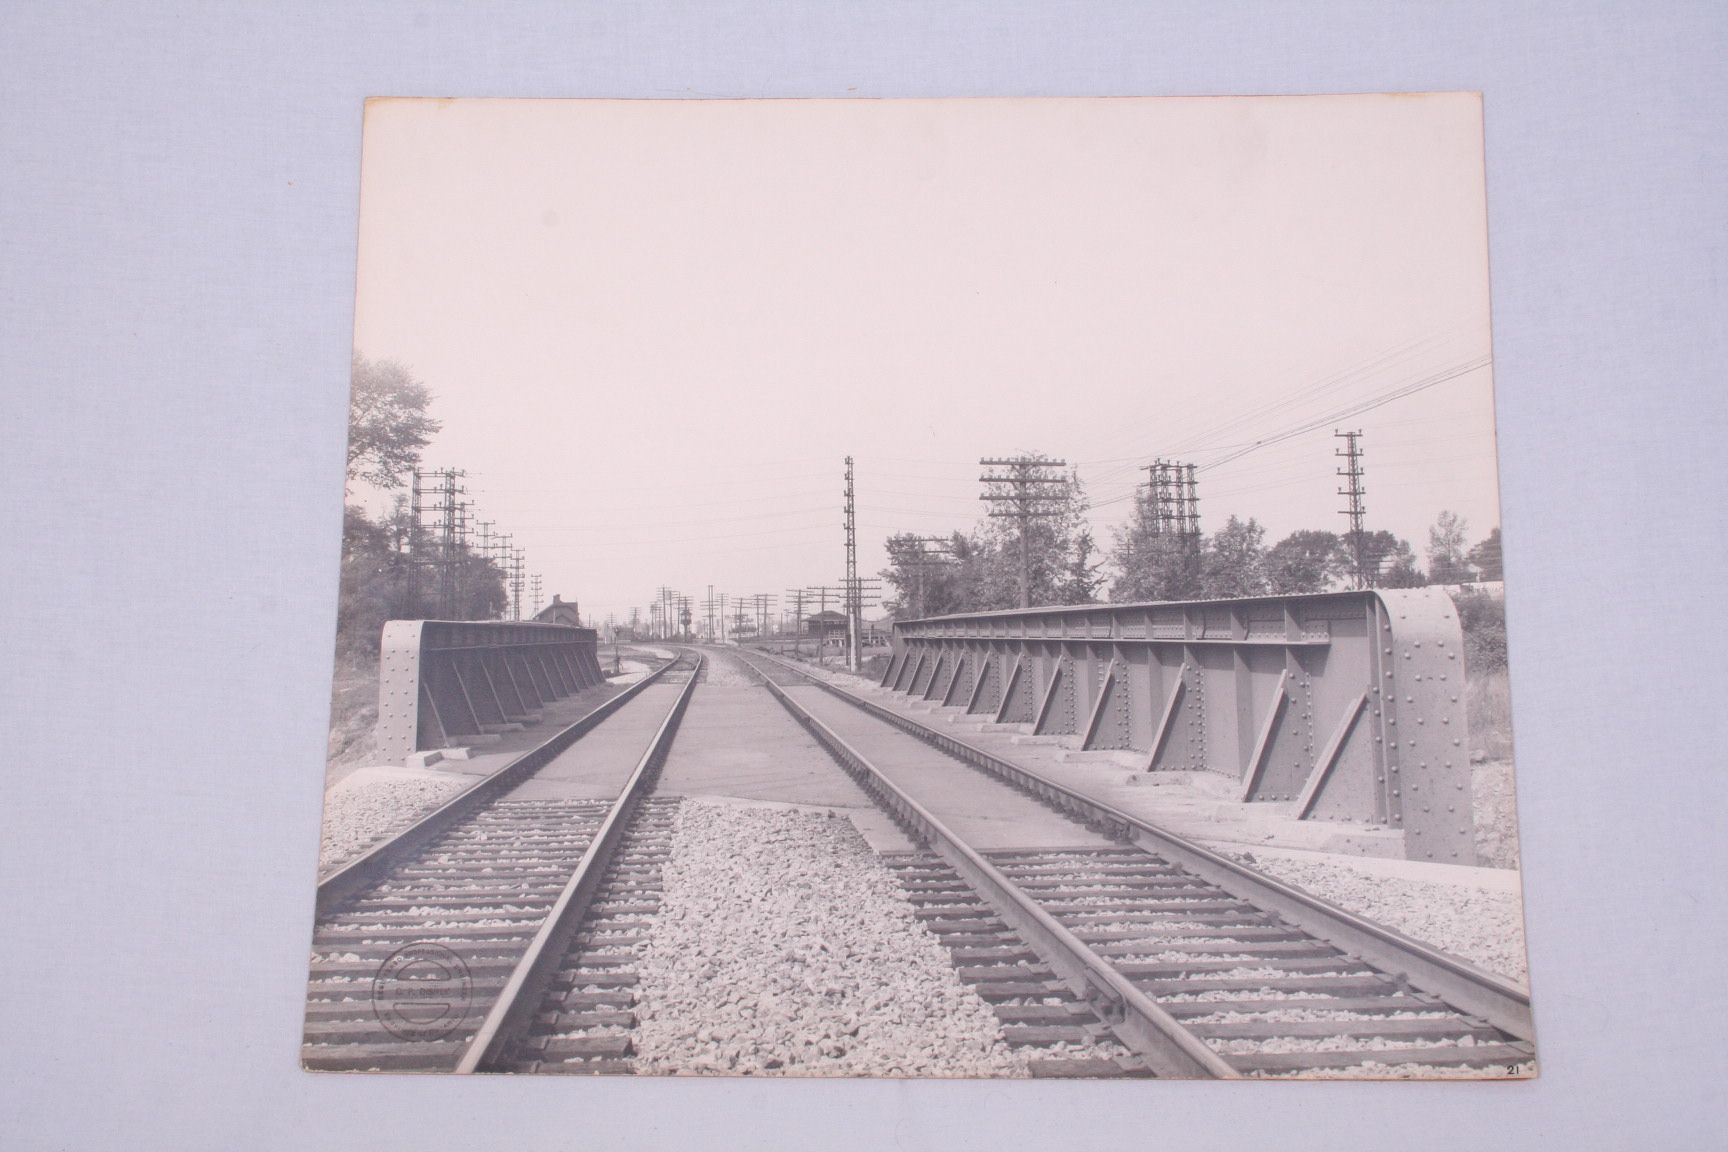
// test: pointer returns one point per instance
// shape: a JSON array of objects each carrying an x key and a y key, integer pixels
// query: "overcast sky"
[{"x": 654, "y": 329}]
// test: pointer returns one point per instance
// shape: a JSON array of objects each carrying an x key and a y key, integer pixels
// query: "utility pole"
[
  {"x": 860, "y": 593},
  {"x": 932, "y": 551},
  {"x": 1173, "y": 503},
  {"x": 762, "y": 602},
  {"x": 518, "y": 564},
  {"x": 1158, "y": 495},
  {"x": 1192, "y": 522},
  {"x": 534, "y": 586},
  {"x": 416, "y": 553},
  {"x": 447, "y": 546},
  {"x": 797, "y": 595},
  {"x": 1351, "y": 454},
  {"x": 452, "y": 539},
  {"x": 662, "y": 609},
  {"x": 854, "y": 611},
  {"x": 1029, "y": 492},
  {"x": 822, "y": 592},
  {"x": 485, "y": 532}
]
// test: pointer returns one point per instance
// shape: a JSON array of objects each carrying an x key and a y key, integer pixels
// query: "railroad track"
[
  {"x": 435, "y": 950},
  {"x": 1201, "y": 966}
]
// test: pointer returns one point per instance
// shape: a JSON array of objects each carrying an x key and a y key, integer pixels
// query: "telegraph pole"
[
  {"x": 663, "y": 602},
  {"x": 797, "y": 595},
  {"x": 518, "y": 562},
  {"x": 1192, "y": 522},
  {"x": 1029, "y": 491},
  {"x": 501, "y": 546},
  {"x": 854, "y": 609},
  {"x": 416, "y": 556},
  {"x": 534, "y": 587},
  {"x": 933, "y": 551},
  {"x": 447, "y": 546},
  {"x": 1351, "y": 454},
  {"x": 762, "y": 601}
]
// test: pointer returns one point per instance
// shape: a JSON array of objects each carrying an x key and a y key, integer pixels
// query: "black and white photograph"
[
  {"x": 915, "y": 575},
  {"x": 947, "y": 588}
]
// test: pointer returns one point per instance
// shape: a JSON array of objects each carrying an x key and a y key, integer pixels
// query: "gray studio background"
[{"x": 177, "y": 227}]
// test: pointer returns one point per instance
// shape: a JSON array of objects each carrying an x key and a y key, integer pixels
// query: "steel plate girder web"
[
  {"x": 1495, "y": 999},
  {"x": 1263, "y": 683},
  {"x": 463, "y": 671}
]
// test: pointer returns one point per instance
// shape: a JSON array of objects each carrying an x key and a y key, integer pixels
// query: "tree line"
[
  {"x": 382, "y": 579},
  {"x": 979, "y": 570}
]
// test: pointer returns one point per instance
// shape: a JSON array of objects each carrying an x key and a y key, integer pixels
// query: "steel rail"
[
  {"x": 1463, "y": 985},
  {"x": 512, "y": 1013},
  {"x": 1168, "y": 1048},
  {"x": 372, "y": 865}
]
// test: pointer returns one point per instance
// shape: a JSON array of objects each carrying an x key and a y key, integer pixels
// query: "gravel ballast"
[
  {"x": 1483, "y": 926},
  {"x": 373, "y": 803},
  {"x": 784, "y": 947}
]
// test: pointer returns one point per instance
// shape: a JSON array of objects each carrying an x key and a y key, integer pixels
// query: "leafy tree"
[
  {"x": 1485, "y": 557},
  {"x": 1151, "y": 564},
  {"x": 1081, "y": 581},
  {"x": 1306, "y": 561},
  {"x": 1155, "y": 567},
  {"x": 387, "y": 422},
  {"x": 374, "y": 585},
  {"x": 1053, "y": 544},
  {"x": 981, "y": 571},
  {"x": 377, "y": 582},
  {"x": 1483, "y": 620},
  {"x": 1446, "y": 562},
  {"x": 1235, "y": 560},
  {"x": 1392, "y": 560},
  {"x": 928, "y": 584}
]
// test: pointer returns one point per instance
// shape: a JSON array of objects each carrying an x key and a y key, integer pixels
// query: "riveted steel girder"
[
  {"x": 1345, "y": 706},
  {"x": 442, "y": 680}
]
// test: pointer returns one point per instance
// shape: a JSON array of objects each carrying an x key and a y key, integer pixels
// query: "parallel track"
[
  {"x": 433, "y": 949},
  {"x": 1204, "y": 967}
]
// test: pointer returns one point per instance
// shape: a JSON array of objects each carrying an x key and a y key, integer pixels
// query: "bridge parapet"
[
  {"x": 443, "y": 682},
  {"x": 1344, "y": 706}
]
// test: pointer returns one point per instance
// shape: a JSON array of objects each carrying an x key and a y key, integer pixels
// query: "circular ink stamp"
[{"x": 422, "y": 992}]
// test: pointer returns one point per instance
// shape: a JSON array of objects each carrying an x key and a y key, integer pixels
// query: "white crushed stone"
[
  {"x": 784, "y": 947},
  {"x": 374, "y": 803},
  {"x": 726, "y": 670},
  {"x": 1484, "y": 927}
]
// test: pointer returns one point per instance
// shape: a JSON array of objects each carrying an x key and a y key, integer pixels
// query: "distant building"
[
  {"x": 830, "y": 626},
  {"x": 559, "y": 612},
  {"x": 824, "y": 625}
]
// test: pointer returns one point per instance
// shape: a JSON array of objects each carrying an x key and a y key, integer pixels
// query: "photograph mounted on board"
[{"x": 922, "y": 588}]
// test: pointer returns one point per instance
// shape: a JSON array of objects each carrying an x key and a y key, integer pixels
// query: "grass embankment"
[
  {"x": 1488, "y": 703},
  {"x": 353, "y": 712}
]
